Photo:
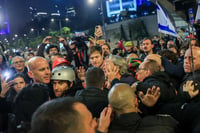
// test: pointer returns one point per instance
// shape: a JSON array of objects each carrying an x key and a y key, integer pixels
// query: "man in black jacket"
[
  {"x": 67, "y": 115},
  {"x": 150, "y": 74},
  {"x": 94, "y": 96},
  {"x": 184, "y": 95},
  {"x": 123, "y": 101}
]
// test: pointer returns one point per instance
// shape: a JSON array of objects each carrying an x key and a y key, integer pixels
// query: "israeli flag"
[
  {"x": 164, "y": 24},
  {"x": 198, "y": 13}
]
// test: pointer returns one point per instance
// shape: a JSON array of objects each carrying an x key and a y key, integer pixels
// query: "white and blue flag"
[{"x": 164, "y": 24}]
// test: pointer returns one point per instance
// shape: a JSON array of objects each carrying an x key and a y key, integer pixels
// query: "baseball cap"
[{"x": 60, "y": 62}]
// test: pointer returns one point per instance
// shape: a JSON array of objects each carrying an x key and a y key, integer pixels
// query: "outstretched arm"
[
  {"x": 67, "y": 48},
  {"x": 45, "y": 41},
  {"x": 175, "y": 70}
]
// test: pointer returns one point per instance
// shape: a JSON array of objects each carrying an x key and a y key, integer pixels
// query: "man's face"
[
  {"x": 40, "y": 72},
  {"x": 169, "y": 43},
  {"x": 117, "y": 45},
  {"x": 105, "y": 50},
  {"x": 129, "y": 48},
  {"x": 147, "y": 46},
  {"x": 19, "y": 84},
  {"x": 86, "y": 118},
  {"x": 96, "y": 59},
  {"x": 188, "y": 60},
  {"x": 52, "y": 51},
  {"x": 53, "y": 58},
  {"x": 173, "y": 49},
  {"x": 162, "y": 42},
  {"x": 193, "y": 42},
  {"x": 141, "y": 46},
  {"x": 19, "y": 64},
  {"x": 182, "y": 52},
  {"x": 60, "y": 87},
  {"x": 72, "y": 46},
  {"x": 141, "y": 72}
]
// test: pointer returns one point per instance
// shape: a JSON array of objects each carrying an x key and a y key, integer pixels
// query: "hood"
[{"x": 159, "y": 76}]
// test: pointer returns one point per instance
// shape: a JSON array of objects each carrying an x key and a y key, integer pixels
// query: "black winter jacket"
[
  {"x": 94, "y": 98},
  {"x": 167, "y": 89},
  {"x": 133, "y": 123},
  {"x": 184, "y": 96}
]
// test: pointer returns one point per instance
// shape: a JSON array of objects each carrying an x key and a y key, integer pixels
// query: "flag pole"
[
  {"x": 160, "y": 35},
  {"x": 190, "y": 46}
]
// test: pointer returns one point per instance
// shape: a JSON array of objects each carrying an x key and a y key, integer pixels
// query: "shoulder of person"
[{"x": 159, "y": 123}]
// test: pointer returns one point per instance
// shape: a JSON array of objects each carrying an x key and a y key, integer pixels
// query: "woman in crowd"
[{"x": 19, "y": 83}]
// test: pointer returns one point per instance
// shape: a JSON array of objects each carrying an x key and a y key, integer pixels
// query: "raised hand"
[
  {"x": 189, "y": 87},
  {"x": 151, "y": 97},
  {"x": 46, "y": 40},
  {"x": 98, "y": 31},
  {"x": 111, "y": 71},
  {"x": 81, "y": 73},
  {"x": 62, "y": 40},
  {"x": 105, "y": 119},
  {"x": 5, "y": 86},
  {"x": 93, "y": 41}
]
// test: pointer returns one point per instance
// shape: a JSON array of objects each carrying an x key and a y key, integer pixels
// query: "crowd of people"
[{"x": 150, "y": 87}]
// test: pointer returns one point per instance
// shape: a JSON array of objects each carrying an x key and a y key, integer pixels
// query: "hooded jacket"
[{"x": 167, "y": 89}]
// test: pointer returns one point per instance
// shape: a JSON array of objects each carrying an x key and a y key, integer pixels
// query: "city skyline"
[{"x": 19, "y": 11}]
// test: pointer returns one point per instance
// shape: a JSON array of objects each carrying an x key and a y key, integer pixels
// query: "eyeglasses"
[{"x": 17, "y": 62}]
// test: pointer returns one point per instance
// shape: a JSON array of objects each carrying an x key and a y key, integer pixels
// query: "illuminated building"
[
  {"x": 4, "y": 25},
  {"x": 114, "y": 7}
]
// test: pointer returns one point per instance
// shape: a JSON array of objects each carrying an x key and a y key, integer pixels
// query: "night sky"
[{"x": 18, "y": 10}]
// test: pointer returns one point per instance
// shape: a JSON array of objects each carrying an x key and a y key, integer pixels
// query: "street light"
[
  {"x": 38, "y": 31},
  {"x": 32, "y": 30},
  {"x": 60, "y": 21},
  {"x": 103, "y": 20},
  {"x": 90, "y": 1},
  {"x": 66, "y": 19},
  {"x": 16, "y": 35},
  {"x": 52, "y": 20}
]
